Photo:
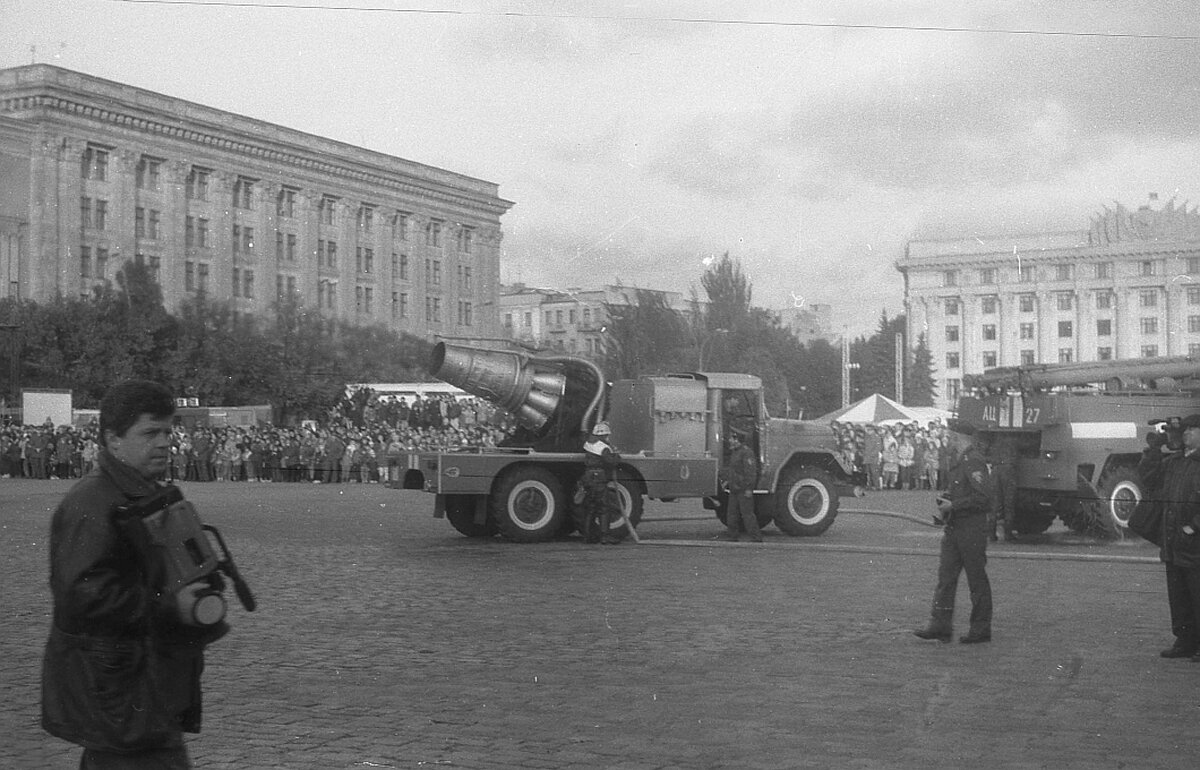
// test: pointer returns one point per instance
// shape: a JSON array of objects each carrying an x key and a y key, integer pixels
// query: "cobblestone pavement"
[{"x": 386, "y": 640}]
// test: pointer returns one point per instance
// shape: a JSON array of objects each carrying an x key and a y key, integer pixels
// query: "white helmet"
[{"x": 601, "y": 429}]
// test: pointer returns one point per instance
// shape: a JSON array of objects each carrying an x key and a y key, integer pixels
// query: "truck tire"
[
  {"x": 1120, "y": 490},
  {"x": 806, "y": 501},
  {"x": 632, "y": 502},
  {"x": 460, "y": 512},
  {"x": 528, "y": 504}
]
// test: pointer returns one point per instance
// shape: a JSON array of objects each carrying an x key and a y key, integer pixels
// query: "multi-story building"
[
  {"x": 571, "y": 320},
  {"x": 1126, "y": 287},
  {"x": 808, "y": 322},
  {"x": 94, "y": 173}
]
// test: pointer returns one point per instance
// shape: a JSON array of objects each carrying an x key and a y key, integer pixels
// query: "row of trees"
[
  {"x": 300, "y": 362},
  {"x": 731, "y": 334},
  {"x": 296, "y": 361}
]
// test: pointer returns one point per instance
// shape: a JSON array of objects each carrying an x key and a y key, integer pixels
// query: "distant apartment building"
[
  {"x": 1128, "y": 286},
  {"x": 571, "y": 320},
  {"x": 809, "y": 321},
  {"x": 94, "y": 173}
]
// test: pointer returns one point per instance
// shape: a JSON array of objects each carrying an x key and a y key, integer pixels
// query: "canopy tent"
[{"x": 873, "y": 410}]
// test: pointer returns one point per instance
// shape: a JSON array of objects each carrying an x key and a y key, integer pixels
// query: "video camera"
[
  {"x": 179, "y": 554},
  {"x": 1166, "y": 432}
]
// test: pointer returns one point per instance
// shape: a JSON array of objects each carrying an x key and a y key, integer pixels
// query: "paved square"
[{"x": 384, "y": 639}]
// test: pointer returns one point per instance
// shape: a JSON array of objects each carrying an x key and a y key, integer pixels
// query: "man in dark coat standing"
[
  {"x": 741, "y": 475},
  {"x": 1180, "y": 541},
  {"x": 121, "y": 673},
  {"x": 963, "y": 510}
]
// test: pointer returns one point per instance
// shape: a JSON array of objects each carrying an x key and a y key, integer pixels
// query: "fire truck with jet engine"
[
  {"x": 1078, "y": 431},
  {"x": 670, "y": 431}
]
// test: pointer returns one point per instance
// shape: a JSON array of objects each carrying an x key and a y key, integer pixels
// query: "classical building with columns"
[
  {"x": 94, "y": 173},
  {"x": 1128, "y": 286}
]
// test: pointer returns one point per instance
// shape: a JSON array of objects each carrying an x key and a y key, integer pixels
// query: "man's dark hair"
[{"x": 126, "y": 401}]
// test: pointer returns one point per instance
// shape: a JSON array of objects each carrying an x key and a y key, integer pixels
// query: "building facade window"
[
  {"x": 1149, "y": 351},
  {"x": 1104, "y": 300},
  {"x": 1147, "y": 268},
  {"x": 400, "y": 226},
  {"x": 1194, "y": 323},
  {"x": 1066, "y": 355},
  {"x": 987, "y": 276},
  {"x": 951, "y": 307},
  {"x": 1027, "y": 358},
  {"x": 1148, "y": 298},
  {"x": 1027, "y": 274},
  {"x": 196, "y": 186},
  {"x": 1104, "y": 354},
  {"x": 1026, "y": 331},
  {"x": 1066, "y": 329},
  {"x": 94, "y": 164},
  {"x": 1149, "y": 325},
  {"x": 1193, "y": 295},
  {"x": 952, "y": 360},
  {"x": 949, "y": 278},
  {"x": 243, "y": 194},
  {"x": 951, "y": 332},
  {"x": 285, "y": 203},
  {"x": 364, "y": 260},
  {"x": 988, "y": 305},
  {"x": 326, "y": 210},
  {"x": 989, "y": 359},
  {"x": 466, "y": 237},
  {"x": 148, "y": 174},
  {"x": 1026, "y": 303},
  {"x": 1103, "y": 270},
  {"x": 989, "y": 332},
  {"x": 433, "y": 233},
  {"x": 1066, "y": 300},
  {"x": 1063, "y": 272},
  {"x": 1193, "y": 265},
  {"x": 1104, "y": 327}
]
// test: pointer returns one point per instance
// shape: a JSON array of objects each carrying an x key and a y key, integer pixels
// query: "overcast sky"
[{"x": 810, "y": 140}]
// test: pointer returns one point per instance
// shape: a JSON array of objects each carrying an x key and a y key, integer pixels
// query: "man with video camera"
[
  {"x": 1170, "y": 470},
  {"x": 121, "y": 673}
]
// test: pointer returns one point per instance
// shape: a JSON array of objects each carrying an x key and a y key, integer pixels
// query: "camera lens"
[{"x": 209, "y": 609}]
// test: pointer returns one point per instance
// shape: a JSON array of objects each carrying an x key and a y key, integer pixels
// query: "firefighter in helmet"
[{"x": 601, "y": 505}]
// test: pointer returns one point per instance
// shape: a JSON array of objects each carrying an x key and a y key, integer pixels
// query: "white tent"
[{"x": 873, "y": 410}]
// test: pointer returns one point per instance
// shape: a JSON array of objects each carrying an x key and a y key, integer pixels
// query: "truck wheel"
[
  {"x": 528, "y": 505},
  {"x": 806, "y": 501},
  {"x": 460, "y": 512},
  {"x": 630, "y": 494},
  {"x": 1120, "y": 491}
]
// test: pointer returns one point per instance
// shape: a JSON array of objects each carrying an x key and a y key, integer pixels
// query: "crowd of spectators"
[
  {"x": 362, "y": 440},
  {"x": 896, "y": 455}
]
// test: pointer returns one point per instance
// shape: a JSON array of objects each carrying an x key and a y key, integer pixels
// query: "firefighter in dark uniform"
[
  {"x": 1175, "y": 478},
  {"x": 1002, "y": 457},
  {"x": 741, "y": 475},
  {"x": 963, "y": 509},
  {"x": 599, "y": 471}
]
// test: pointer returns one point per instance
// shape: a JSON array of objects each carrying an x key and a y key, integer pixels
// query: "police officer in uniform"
[
  {"x": 741, "y": 474},
  {"x": 963, "y": 509}
]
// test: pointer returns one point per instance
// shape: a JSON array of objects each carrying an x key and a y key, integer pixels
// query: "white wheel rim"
[
  {"x": 805, "y": 487},
  {"x": 1124, "y": 498},
  {"x": 531, "y": 505}
]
